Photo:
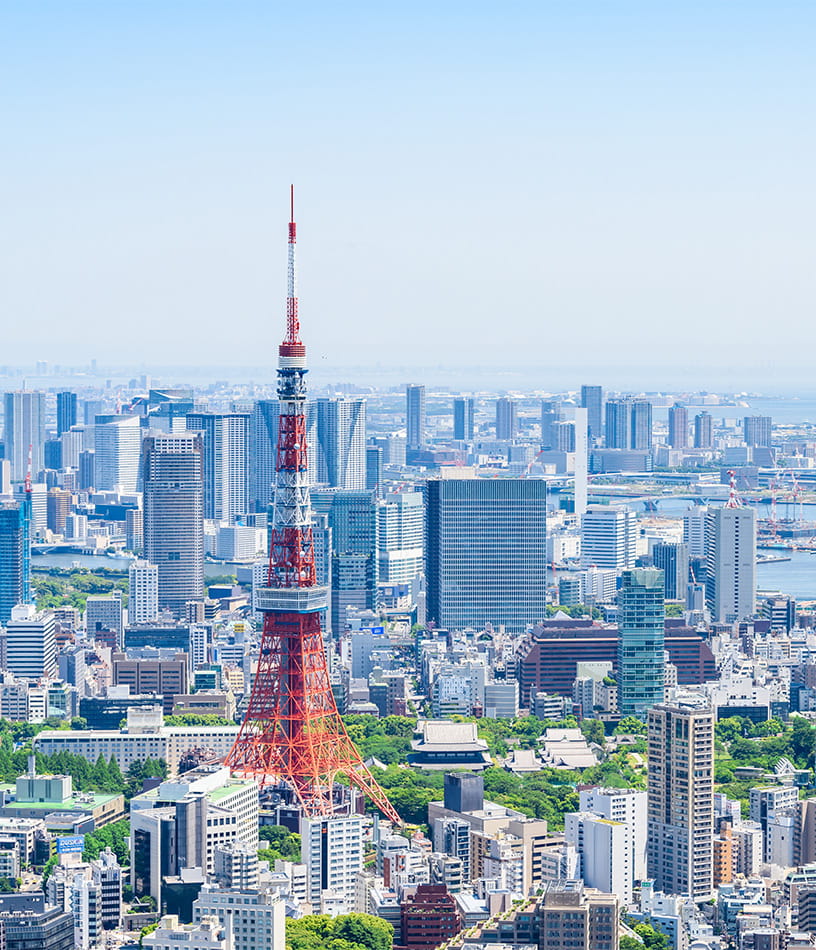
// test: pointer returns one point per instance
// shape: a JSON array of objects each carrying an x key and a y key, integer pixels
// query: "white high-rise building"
[
  {"x": 401, "y": 537},
  {"x": 258, "y": 917},
  {"x": 627, "y": 805},
  {"x": 681, "y": 798},
  {"x": 605, "y": 852},
  {"x": 24, "y": 432},
  {"x": 341, "y": 443},
  {"x": 694, "y": 530},
  {"x": 118, "y": 445},
  {"x": 86, "y": 908},
  {"x": 332, "y": 850},
  {"x": 608, "y": 537},
  {"x": 225, "y": 462},
  {"x": 730, "y": 551},
  {"x": 143, "y": 592},
  {"x": 31, "y": 645}
]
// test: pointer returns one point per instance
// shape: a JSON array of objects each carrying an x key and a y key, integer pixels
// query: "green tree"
[
  {"x": 593, "y": 731},
  {"x": 630, "y": 725},
  {"x": 364, "y": 930}
]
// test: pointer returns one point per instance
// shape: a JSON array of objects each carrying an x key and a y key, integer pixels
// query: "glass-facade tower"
[{"x": 641, "y": 634}]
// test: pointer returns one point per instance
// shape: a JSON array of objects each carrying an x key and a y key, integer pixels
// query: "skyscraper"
[
  {"x": 226, "y": 463},
  {"x": 641, "y": 619},
  {"x": 463, "y": 412},
  {"x": 374, "y": 469},
  {"x": 506, "y": 418},
  {"x": 352, "y": 517},
  {"x": 332, "y": 850},
  {"x": 11, "y": 558},
  {"x": 756, "y": 430},
  {"x": 31, "y": 645},
  {"x": 66, "y": 411},
  {"x": 263, "y": 450},
  {"x": 730, "y": 551},
  {"x": 486, "y": 552},
  {"x": 592, "y": 401},
  {"x": 681, "y": 799},
  {"x": 173, "y": 485},
  {"x": 618, "y": 423},
  {"x": 143, "y": 592},
  {"x": 550, "y": 417},
  {"x": 24, "y": 431},
  {"x": 703, "y": 431},
  {"x": 118, "y": 443},
  {"x": 341, "y": 443},
  {"x": 673, "y": 560},
  {"x": 401, "y": 534},
  {"x": 608, "y": 536},
  {"x": 415, "y": 415},
  {"x": 678, "y": 426},
  {"x": 641, "y": 435}
]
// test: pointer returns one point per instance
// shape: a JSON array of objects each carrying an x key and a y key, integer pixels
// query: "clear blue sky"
[{"x": 568, "y": 184}]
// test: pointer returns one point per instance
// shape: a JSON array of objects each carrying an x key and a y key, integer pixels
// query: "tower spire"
[{"x": 292, "y": 736}]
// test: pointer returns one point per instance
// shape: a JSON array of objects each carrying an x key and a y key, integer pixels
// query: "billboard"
[{"x": 71, "y": 844}]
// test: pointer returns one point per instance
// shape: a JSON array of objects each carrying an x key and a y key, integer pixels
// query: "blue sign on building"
[{"x": 71, "y": 844}]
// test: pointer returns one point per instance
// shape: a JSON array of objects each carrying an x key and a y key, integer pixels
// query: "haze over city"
[{"x": 619, "y": 186}]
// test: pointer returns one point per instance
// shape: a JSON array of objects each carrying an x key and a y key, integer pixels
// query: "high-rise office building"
[
  {"x": 673, "y": 560},
  {"x": 341, "y": 443},
  {"x": 681, "y": 799},
  {"x": 117, "y": 449},
  {"x": 401, "y": 545},
  {"x": 226, "y": 463},
  {"x": 730, "y": 552},
  {"x": 678, "y": 426},
  {"x": 105, "y": 613},
  {"x": 463, "y": 414},
  {"x": 551, "y": 416},
  {"x": 374, "y": 469},
  {"x": 703, "y": 431},
  {"x": 608, "y": 537},
  {"x": 263, "y": 450},
  {"x": 641, "y": 632},
  {"x": 641, "y": 435},
  {"x": 24, "y": 432},
  {"x": 415, "y": 415},
  {"x": 173, "y": 485},
  {"x": 66, "y": 411},
  {"x": 143, "y": 592},
  {"x": 486, "y": 552},
  {"x": 11, "y": 558},
  {"x": 332, "y": 850},
  {"x": 352, "y": 518},
  {"x": 592, "y": 401},
  {"x": 31, "y": 645},
  {"x": 58, "y": 508},
  {"x": 756, "y": 430},
  {"x": 506, "y": 418},
  {"x": 618, "y": 425}
]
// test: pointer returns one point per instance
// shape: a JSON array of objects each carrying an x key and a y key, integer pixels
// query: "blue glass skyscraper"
[{"x": 641, "y": 626}]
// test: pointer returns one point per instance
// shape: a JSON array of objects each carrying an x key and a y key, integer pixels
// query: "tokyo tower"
[{"x": 292, "y": 734}]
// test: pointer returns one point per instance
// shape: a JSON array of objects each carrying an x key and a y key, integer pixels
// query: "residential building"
[
  {"x": 257, "y": 917},
  {"x": 117, "y": 448},
  {"x": 143, "y": 592},
  {"x": 605, "y": 851},
  {"x": 756, "y": 430},
  {"x": 105, "y": 613},
  {"x": 703, "y": 431},
  {"x": 24, "y": 434},
  {"x": 680, "y": 798},
  {"x": 678, "y": 426},
  {"x": 429, "y": 918},
  {"x": 341, "y": 443},
  {"x": 172, "y": 478},
  {"x": 208, "y": 934},
  {"x": 626, "y": 805},
  {"x": 332, "y": 850},
  {"x": 225, "y": 462},
  {"x": 161, "y": 676},
  {"x": 486, "y": 552},
  {"x": 581, "y": 918}
]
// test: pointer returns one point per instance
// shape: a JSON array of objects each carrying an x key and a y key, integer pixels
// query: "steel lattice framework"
[{"x": 292, "y": 733}]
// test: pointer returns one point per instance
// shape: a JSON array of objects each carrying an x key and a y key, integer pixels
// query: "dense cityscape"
[{"x": 403, "y": 667}]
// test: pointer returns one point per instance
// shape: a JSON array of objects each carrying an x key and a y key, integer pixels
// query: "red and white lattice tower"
[{"x": 292, "y": 734}]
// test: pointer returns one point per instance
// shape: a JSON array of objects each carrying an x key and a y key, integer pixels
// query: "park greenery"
[
  {"x": 54, "y": 587},
  {"x": 346, "y": 932},
  {"x": 197, "y": 719},
  {"x": 278, "y": 843},
  {"x": 650, "y": 938}
]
